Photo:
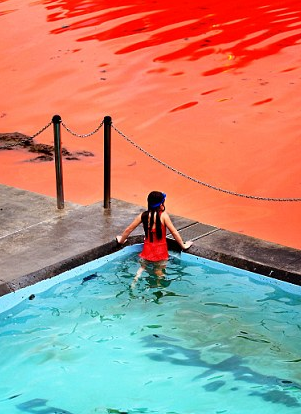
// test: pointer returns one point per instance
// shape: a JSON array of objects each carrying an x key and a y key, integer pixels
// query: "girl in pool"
[{"x": 155, "y": 221}]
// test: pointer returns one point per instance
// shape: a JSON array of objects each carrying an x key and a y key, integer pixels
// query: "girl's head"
[{"x": 155, "y": 199}]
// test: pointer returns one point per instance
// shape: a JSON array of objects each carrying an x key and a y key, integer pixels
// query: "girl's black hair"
[{"x": 148, "y": 216}]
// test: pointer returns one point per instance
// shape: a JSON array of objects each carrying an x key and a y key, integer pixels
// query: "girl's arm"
[
  {"x": 135, "y": 223},
  {"x": 168, "y": 223}
]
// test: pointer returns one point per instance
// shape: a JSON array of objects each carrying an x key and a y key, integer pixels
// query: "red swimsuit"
[{"x": 156, "y": 250}]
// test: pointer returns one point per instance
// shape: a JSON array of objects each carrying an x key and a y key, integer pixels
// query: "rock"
[{"x": 16, "y": 140}]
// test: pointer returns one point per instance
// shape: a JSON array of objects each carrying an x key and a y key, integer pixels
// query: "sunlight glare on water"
[
  {"x": 238, "y": 33},
  {"x": 206, "y": 338}
]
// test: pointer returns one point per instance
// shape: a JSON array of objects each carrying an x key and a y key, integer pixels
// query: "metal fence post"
[
  {"x": 107, "y": 162},
  {"x": 56, "y": 120}
]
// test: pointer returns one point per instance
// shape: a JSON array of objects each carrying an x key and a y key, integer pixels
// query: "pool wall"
[
  {"x": 38, "y": 242},
  {"x": 12, "y": 299},
  {"x": 200, "y": 251}
]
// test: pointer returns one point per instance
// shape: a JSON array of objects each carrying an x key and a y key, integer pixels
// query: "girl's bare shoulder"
[{"x": 164, "y": 216}]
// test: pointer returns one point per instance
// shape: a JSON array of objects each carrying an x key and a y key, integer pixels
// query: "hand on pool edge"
[
  {"x": 118, "y": 238},
  {"x": 187, "y": 244}
]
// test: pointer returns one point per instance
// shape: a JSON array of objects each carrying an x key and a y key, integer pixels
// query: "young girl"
[{"x": 155, "y": 221}]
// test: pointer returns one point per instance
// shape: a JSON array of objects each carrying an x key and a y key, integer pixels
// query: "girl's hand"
[
  {"x": 187, "y": 244},
  {"x": 119, "y": 238}
]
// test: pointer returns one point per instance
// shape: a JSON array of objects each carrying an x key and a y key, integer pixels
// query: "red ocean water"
[{"x": 212, "y": 90}]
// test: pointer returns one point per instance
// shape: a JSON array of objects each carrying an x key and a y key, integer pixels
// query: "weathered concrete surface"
[
  {"x": 37, "y": 241},
  {"x": 251, "y": 254}
]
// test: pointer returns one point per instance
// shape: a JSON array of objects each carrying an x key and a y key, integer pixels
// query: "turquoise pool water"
[{"x": 208, "y": 338}]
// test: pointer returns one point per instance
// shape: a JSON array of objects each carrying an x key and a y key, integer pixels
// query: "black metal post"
[
  {"x": 56, "y": 120},
  {"x": 107, "y": 162}
]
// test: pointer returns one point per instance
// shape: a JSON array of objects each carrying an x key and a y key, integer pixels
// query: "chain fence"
[
  {"x": 212, "y": 187},
  {"x": 41, "y": 130},
  {"x": 83, "y": 135},
  {"x": 154, "y": 158},
  {"x": 25, "y": 140}
]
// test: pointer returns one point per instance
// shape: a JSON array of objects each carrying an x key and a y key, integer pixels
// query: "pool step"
[{"x": 195, "y": 231}]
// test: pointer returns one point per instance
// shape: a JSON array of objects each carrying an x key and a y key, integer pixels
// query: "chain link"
[
  {"x": 82, "y": 135},
  {"x": 41, "y": 130},
  {"x": 22, "y": 141},
  {"x": 15, "y": 144},
  {"x": 160, "y": 162},
  {"x": 198, "y": 181}
]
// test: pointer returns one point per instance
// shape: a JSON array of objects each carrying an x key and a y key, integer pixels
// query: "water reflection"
[
  {"x": 238, "y": 33},
  {"x": 209, "y": 334},
  {"x": 271, "y": 388},
  {"x": 149, "y": 286}
]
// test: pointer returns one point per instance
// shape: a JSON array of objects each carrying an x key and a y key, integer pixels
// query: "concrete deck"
[{"x": 37, "y": 241}]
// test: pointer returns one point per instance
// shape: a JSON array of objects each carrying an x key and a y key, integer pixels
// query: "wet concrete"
[{"x": 38, "y": 241}]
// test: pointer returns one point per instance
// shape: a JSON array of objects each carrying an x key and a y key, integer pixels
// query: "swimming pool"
[{"x": 208, "y": 338}]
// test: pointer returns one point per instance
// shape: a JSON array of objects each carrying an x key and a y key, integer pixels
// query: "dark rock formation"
[{"x": 16, "y": 140}]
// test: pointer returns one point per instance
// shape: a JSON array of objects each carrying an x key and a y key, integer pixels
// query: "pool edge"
[
  {"x": 39, "y": 242},
  {"x": 240, "y": 262}
]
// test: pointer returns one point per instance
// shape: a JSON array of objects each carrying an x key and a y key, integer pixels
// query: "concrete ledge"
[
  {"x": 255, "y": 256},
  {"x": 62, "y": 266},
  {"x": 252, "y": 254},
  {"x": 34, "y": 249},
  {"x": 264, "y": 264}
]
